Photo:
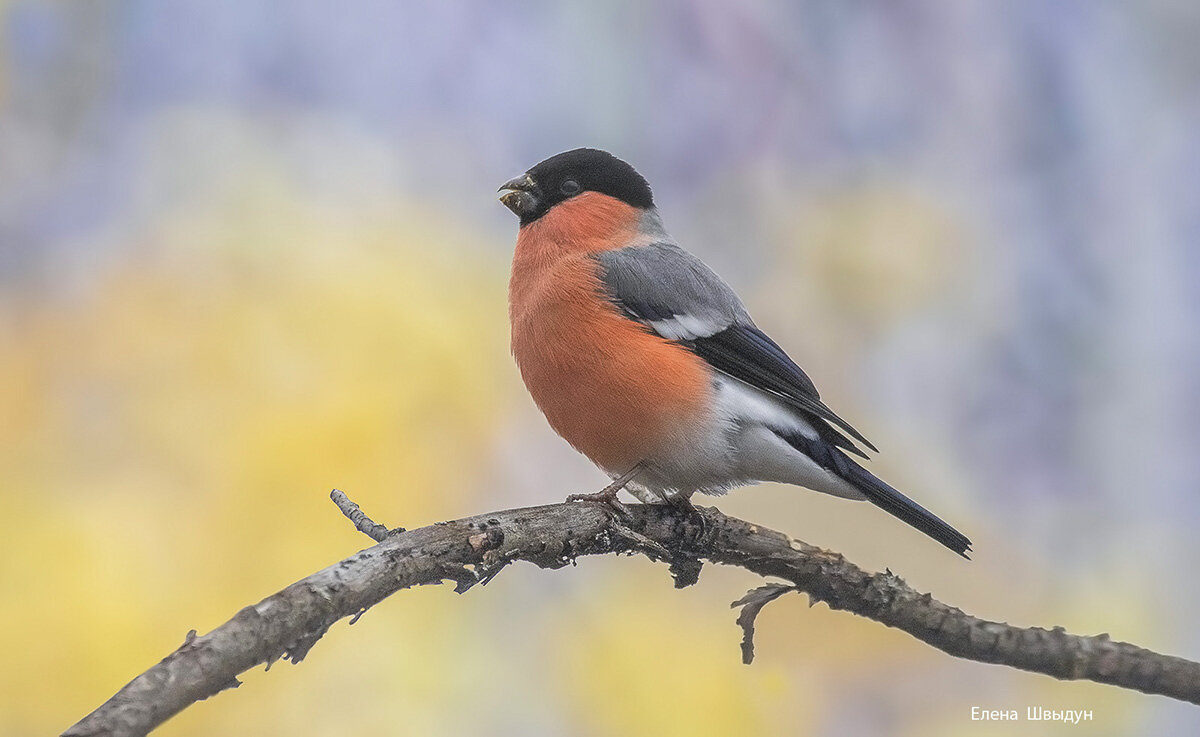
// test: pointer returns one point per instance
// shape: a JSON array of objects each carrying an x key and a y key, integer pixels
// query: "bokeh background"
[{"x": 251, "y": 251}]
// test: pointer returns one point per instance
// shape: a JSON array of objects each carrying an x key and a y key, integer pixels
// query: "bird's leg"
[
  {"x": 683, "y": 502},
  {"x": 679, "y": 501},
  {"x": 608, "y": 495}
]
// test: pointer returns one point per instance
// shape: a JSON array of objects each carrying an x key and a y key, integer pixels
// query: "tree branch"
[{"x": 473, "y": 550}]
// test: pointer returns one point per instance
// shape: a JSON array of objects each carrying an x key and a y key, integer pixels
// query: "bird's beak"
[{"x": 520, "y": 195}]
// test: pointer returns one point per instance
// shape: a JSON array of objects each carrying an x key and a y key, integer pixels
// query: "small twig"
[
  {"x": 751, "y": 604},
  {"x": 365, "y": 524}
]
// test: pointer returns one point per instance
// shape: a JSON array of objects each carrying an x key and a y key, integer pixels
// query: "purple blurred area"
[
  {"x": 1020, "y": 338},
  {"x": 1063, "y": 136}
]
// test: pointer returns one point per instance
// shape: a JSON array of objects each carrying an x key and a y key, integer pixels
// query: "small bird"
[{"x": 645, "y": 361}]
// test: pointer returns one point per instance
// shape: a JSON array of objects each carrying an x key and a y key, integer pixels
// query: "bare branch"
[{"x": 473, "y": 550}]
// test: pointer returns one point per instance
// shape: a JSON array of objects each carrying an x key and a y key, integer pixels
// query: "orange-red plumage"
[{"x": 612, "y": 389}]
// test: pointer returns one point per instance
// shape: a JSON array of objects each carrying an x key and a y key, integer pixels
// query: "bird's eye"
[{"x": 569, "y": 187}]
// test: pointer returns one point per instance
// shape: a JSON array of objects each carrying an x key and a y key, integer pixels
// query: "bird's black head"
[{"x": 571, "y": 173}]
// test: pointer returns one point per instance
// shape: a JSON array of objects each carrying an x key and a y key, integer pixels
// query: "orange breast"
[{"x": 613, "y": 390}]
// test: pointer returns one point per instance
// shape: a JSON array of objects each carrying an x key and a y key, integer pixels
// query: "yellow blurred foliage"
[
  {"x": 643, "y": 662},
  {"x": 170, "y": 434}
]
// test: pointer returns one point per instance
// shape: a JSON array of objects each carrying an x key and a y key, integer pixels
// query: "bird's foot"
[
  {"x": 608, "y": 495},
  {"x": 682, "y": 503}
]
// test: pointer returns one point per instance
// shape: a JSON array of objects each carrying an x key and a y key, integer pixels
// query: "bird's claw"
[
  {"x": 608, "y": 495},
  {"x": 684, "y": 505},
  {"x": 607, "y": 498}
]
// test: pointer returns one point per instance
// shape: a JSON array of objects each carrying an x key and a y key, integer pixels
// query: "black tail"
[
  {"x": 880, "y": 494},
  {"x": 896, "y": 504}
]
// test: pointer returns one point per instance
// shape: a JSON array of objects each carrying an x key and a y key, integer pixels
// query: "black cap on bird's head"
[{"x": 571, "y": 173}]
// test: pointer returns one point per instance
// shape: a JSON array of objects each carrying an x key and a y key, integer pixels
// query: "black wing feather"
[{"x": 748, "y": 354}]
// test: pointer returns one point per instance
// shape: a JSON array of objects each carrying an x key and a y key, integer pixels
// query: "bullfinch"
[{"x": 645, "y": 361}]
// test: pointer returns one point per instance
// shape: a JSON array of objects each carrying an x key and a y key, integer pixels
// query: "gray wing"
[
  {"x": 678, "y": 297},
  {"x": 671, "y": 291}
]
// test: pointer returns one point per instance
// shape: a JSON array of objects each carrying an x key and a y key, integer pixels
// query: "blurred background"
[{"x": 251, "y": 251}]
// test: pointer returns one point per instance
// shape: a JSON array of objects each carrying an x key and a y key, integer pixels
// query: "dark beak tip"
[
  {"x": 519, "y": 194},
  {"x": 523, "y": 183}
]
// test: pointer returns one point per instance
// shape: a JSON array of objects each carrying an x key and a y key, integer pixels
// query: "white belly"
[{"x": 737, "y": 446}]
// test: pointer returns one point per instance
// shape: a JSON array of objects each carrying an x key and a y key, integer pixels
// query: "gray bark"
[{"x": 473, "y": 550}]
